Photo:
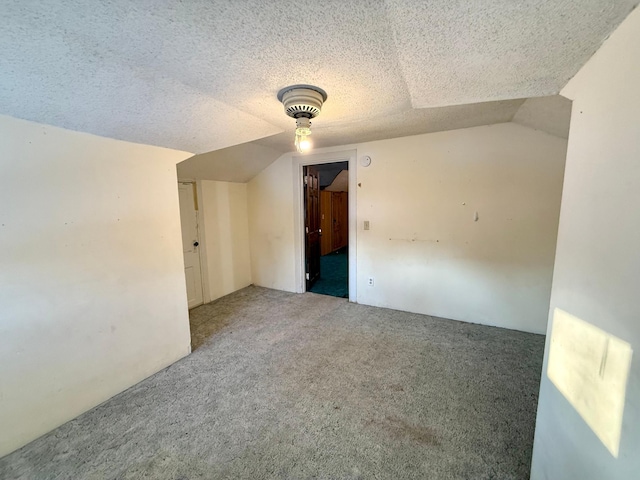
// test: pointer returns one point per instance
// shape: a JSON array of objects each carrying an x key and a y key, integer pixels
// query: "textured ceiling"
[
  {"x": 454, "y": 52},
  {"x": 201, "y": 75}
]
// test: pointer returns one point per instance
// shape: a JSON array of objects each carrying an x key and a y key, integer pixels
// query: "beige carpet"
[{"x": 309, "y": 386}]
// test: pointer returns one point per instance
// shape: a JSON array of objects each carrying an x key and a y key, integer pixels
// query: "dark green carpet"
[{"x": 334, "y": 275}]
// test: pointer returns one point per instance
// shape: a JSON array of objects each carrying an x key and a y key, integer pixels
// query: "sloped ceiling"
[
  {"x": 453, "y": 52},
  {"x": 401, "y": 124},
  {"x": 341, "y": 183},
  {"x": 241, "y": 163},
  {"x": 202, "y": 75},
  {"x": 549, "y": 114}
]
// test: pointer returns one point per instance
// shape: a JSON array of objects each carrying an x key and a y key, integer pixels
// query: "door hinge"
[
  {"x": 306, "y": 229},
  {"x": 307, "y": 275},
  {"x": 306, "y": 180}
]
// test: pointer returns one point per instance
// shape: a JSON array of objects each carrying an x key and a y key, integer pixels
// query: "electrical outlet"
[{"x": 370, "y": 281}]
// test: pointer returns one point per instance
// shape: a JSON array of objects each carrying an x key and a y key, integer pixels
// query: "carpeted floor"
[
  {"x": 309, "y": 386},
  {"x": 334, "y": 274}
]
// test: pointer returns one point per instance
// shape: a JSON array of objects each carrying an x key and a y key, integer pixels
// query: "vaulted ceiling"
[{"x": 202, "y": 75}]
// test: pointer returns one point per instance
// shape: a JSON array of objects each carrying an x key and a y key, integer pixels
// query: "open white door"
[{"x": 190, "y": 242}]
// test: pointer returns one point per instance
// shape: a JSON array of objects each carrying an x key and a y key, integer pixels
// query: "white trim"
[{"x": 298, "y": 213}]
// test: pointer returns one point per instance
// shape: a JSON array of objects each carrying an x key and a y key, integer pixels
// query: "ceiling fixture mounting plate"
[
  {"x": 302, "y": 101},
  {"x": 303, "y": 86}
]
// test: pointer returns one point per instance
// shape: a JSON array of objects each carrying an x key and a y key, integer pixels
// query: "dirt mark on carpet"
[{"x": 398, "y": 428}]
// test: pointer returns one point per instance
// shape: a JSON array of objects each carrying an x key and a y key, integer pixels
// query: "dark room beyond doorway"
[{"x": 327, "y": 228}]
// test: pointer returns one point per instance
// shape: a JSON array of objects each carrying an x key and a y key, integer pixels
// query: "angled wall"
[
  {"x": 271, "y": 235},
  {"x": 226, "y": 229},
  {"x": 92, "y": 288},
  {"x": 597, "y": 268}
]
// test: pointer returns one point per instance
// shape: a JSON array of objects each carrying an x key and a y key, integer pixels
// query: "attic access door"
[
  {"x": 312, "y": 224},
  {"x": 190, "y": 242}
]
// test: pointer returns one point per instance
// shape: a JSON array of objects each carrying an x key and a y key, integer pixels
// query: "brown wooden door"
[
  {"x": 326, "y": 223},
  {"x": 335, "y": 218},
  {"x": 344, "y": 218},
  {"x": 340, "y": 219},
  {"x": 312, "y": 224}
]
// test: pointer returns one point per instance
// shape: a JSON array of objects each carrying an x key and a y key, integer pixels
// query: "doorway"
[
  {"x": 326, "y": 228},
  {"x": 298, "y": 164},
  {"x": 190, "y": 242}
]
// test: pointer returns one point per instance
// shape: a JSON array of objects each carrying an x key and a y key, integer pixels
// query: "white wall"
[
  {"x": 92, "y": 289},
  {"x": 226, "y": 228},
  {"x": 271, "y": 232},
  {"x": 424, "y": 250},
  {"x": 597, "y": 269}
]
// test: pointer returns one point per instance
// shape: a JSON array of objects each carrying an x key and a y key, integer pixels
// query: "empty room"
[{"x": 337, "y": 240}]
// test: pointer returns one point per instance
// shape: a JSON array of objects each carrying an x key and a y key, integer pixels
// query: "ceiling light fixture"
[{"x": 302, "y": 102}]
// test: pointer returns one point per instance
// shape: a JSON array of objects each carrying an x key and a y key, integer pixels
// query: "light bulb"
[
  {"x": 303, "y": 130},
  {"x": 303, "y": 144}
]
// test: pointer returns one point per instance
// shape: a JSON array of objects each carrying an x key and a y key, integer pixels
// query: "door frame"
[
  {"x": 298, "y": 213},
  {"x": 202, "y": 240}
]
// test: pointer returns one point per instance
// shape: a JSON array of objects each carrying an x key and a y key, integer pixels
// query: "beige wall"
[
  {"x": 226, "y": 233},
  {"x": 92, "y": 289},
  {"x": 424, "y": 250},
  {"x": 271, "y": 234},
  {"x": 597, "y": 269}
]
